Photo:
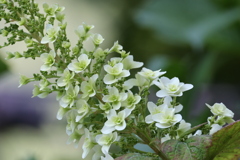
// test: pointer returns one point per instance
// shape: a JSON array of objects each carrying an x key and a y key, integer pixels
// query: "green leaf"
[
  {"x": 226, "y": 143},
  {"x": 194, "y": 148},
  {"x": 135, "y": 156}
]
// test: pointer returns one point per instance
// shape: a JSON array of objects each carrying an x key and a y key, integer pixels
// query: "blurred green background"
[{"x": 197, "y": 41}]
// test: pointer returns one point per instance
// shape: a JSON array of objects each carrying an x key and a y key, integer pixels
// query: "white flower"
[
  {"x": 97, "y": 39},
  {"x": 43, "y": 83},
  {"x": 139, "y": 81},
  {"x": 74, "y": 130},
  {"x": 66, "y": 79},
  {"x": 89, "y": 88},
  {"x": 82, "y": 31},
  {"x": 166, "y": 119},
  {"x": 149, "y": 74},
  {"x": 183, "y": 127},
  {"x": 99, "y": 53},
  {"x": 75, "y": 137},
  {"x": 115, "y": 121},
  {"x": 154, "y": 109},
  {"x": 221, "y": 110},
  {"x": 72, "y": 125},
  {"x": 81, "y": 65},
  {"x": 69, "y": 98},
  {"x": 97, "y": 152},
  {"x": 88, "y": 143},
  {"x": 54, "y": 9},
  {"x": 116, "y": 48},
  {"x": 171, "y": 87},
  {"x": 61, "y": 112},
  {"x": 165, "y": 138},
  {"x": 168, "y": 100},
  {"x": 131, "y": 100},
  {"x": 83, "y": 109},
  {"x": 105, "y": 140},
  {"x": 51, "y": 34},
  {"x": 107, "y": 157},
  {"x": 40, "y": 93},
  {"x": 215, "y": 128},
  {"x": 114, "y": 73},
  {"x": 105, "y": 107},
  {"x": 48, "y": 59},
  {"x": 114, "y": 97},
  {"x": 128, "y": 63},
  {"x": 198, "y": 133}
]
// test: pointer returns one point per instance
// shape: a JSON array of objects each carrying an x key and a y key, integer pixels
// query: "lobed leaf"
[
  {"x": 194, "y": 148},
  {"x": 226, "y": 143}
]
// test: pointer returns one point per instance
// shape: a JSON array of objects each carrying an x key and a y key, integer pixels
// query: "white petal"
[
  {"x": 107, "y": 130},
  {"x": 186, "y": 87},
  {"x": 161, "y": 93},
  {"x": 109, "y": 79},
  {"x": 45, "y": 40}
]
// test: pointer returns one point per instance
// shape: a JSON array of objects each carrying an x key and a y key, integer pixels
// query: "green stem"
[{"x": 147, "y": 140}]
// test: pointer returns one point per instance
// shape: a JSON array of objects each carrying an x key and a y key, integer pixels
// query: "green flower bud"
[
  {"x": 5, "y": 33},
  {"x": 23, "y": 21},
  {"x": 17, "y": 55},
  {"x": 10, "y": 55},
  {"x": 23, "y": 80},
  {"x": 66, "y": 44},
  {"x": 75, "y": 50}
]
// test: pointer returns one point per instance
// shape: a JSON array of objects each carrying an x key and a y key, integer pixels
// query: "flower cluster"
[{"x": 101, "y": 103}]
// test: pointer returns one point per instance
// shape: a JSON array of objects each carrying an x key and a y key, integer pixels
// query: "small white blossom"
[
  {"x": 71, "y": 123},
  {"x": 116, "y": 48},
  {"x": 81, "y": 65},
  {"x": 99, "y": 53},
  {"x": 114, "y": 73},
  {"x": 88, "y": 144},
  {"x": 131, "y": 100},
  {"x": 105, "y": 140},
  {"x": 48, "y": 60},
  {"x": 171, "y": 87},
  {"x": 61, "y": 112},
  {"x": 215, "y": 128},
  {"x": 89, "y": 88},
  {"x": 51, "y": 34},
  {"x": 198, "y": 133},
  {"x": 43, "y": 84},
  {"x": 105, "y": 107},
  {"x": 139, "y": 81},
  {"x": 54, "y": 9},
  {"x": 69, "y": 98},
  {"x": 107, "y": 157},
  {"x": 97, "y": 152},
  {"x": 183, "y": 127},
  {"x": 97, "y": 39},
  {"x": 220, "y": 109},
  {"x": 168, "y": 100},
  {"x": 154, "y": 109},
  {"x": 114, "y": 97},
  {"x": 40, "y": 93},
  {"x": 165, "y": 138},
  {"x": 116, "y": 121},
  {"x": 128, "y": 63},
  {"x": 149, "y": 74},
  {"x": 66, "y": 79},
  {"x": 83, "y": 109},
  {"x": 83, "y": 31},
  {"x": 166, "y": 119}
]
